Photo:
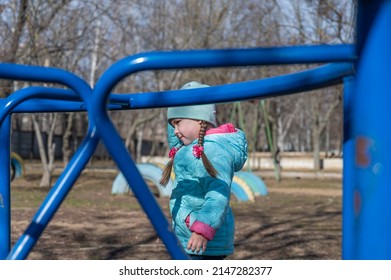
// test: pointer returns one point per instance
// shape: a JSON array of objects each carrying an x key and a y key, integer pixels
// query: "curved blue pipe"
[
  {"x": 44, "y": 99},
  {"x": 46, "y": 75},
  {"x": 219, "y": 58},
  {"x": 169, "y": 60},
  {"x": 276, "y": 86}
]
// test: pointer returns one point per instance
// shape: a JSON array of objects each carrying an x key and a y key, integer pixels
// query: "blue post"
[
  {"x": 372, "y": 138},
  {"x": 349, "y": 242},
  {"x": 5, "y": 191}
]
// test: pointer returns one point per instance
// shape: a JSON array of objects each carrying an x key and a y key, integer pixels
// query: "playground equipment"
[
  {"x": 363, "y": 68},
  {"x": 256, "y": 184},
  {"x": 241, "y": 190},
  {"x": 17, "y": 166},
  {"x": 149, "y": 172},
  {"x": 245, "y": 186}
]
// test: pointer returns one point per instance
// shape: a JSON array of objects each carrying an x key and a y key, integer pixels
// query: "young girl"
[{"x": 204, "y": 158}]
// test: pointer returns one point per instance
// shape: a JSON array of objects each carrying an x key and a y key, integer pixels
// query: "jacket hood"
[
  {"x": 233, "y": 144},
  {"x": 231, "y": 141}
]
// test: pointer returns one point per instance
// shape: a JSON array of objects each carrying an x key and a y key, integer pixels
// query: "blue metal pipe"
[
  {"x": 70, "y": 174},
  {"x": 216, "y": 58},
  {"x": 349, "y": 241},
  {"x": 46, "y": 75},
  {"x": 5, "y": 191},
  {"x": 223, "y": 58},
  {"x": 8, "y": 104},
  {"x": 58, "y": 193},
  {"x": 372, "y": 138},
  {"x": 47, "y": 105},
  {"x": 55, "y": 197},
  {"x": 268, "y": 87},
  {"x": 44, "y": 99}
]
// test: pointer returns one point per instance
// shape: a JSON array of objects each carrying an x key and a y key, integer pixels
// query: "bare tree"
[
  {"x": 86, "y": 37},
  {"x": 319, "y": 22},
  {"x": 12, "y": 38},
  {"x": 47, "y": 159}
]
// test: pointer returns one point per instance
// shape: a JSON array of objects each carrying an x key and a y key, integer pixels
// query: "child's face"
[{"x": 187, "y": 130}]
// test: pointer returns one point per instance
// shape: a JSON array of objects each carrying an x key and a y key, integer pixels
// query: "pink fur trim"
[{"x": 224, "y": 128}]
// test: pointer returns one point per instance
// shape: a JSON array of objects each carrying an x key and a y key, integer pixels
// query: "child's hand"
[{"x": 197, "y": 242}]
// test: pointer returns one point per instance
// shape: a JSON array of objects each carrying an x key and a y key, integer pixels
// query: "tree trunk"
[
  {"x": 316, "y": 149},
  {"x": 140, "y": 133},
  {"x": 129, "y": 143},
  {"x": 47, "y": 160},
  {"x": 271, "y": 141},
  {"x": 66, "y": 146},
  {"x": 316, "y": 132}
]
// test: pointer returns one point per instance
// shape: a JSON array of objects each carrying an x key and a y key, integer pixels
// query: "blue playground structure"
[
  {"x": 17, "y": 166},
  {"x": 361, "y": 67},
  {"x": 149, "y": 172}
]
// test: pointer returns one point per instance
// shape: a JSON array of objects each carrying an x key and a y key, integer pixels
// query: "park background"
[
  {"x": 86, "y": 37},
  {"x": 295, "y": 142}
]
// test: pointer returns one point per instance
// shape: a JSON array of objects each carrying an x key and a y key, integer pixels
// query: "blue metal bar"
[
  {"x": 276, "y": 86},
  {"x": 55, "y": 197},
  {"x": 69, "y": 176},
  {"x": 46, "y": 75},
  {"x": 5, "y": 191},
  {"x": 349, "y": 179},
  {"x": 58, "y": 193},
  {"x": 47, "y": 105},
  {"x": 8, "y": 104},
  {"x": 370, "y": 122},
  {"x": 64, "y": 183},
  {"x": 225, "y": 58},
  {"x": 44, "y": 99}
]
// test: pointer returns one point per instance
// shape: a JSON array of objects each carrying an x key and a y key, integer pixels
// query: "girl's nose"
[{"x": 176, "y": 131}]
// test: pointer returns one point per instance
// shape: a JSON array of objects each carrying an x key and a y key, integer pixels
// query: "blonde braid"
[
  {"x": 207, "y": 164},
  {"x": 166, "y": 174}
]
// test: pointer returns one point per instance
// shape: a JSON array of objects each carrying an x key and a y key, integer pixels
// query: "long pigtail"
[
  {"x": 166, "y": 174},
  {"x": 198, "y": 151}
]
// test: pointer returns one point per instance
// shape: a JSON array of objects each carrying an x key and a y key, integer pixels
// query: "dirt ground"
[{"x": 298, "y": 219}]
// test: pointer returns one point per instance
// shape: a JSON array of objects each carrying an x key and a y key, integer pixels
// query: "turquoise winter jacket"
[{"x": 199, "y": 202}]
